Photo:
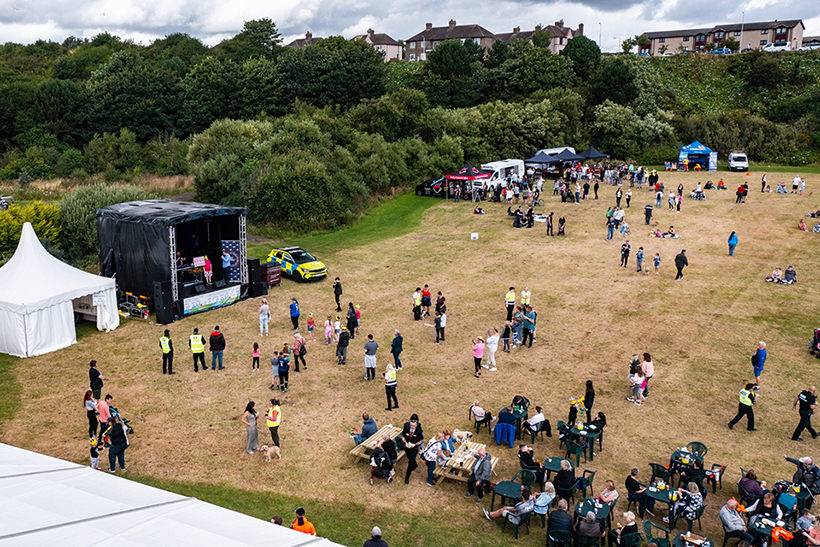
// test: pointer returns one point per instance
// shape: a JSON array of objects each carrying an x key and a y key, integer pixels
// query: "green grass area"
[
  {"x": 10, "y": 388},
  {"x": 762, "y": 168},
  {"x": 349, "y": 523},
  {"x": 387, "y": 220}
]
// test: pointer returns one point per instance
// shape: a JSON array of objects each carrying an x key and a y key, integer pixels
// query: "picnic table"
[
  {"x": 688, "y": 538},
  {"x": 663, "y": 495},
  {"x": 507, "y": 490},
  {"x": 461, "y": 464},
  {"x": 601, "y": 510},
  {"x": 365, "y": 448},
  {"x": 763, "y": 527},
  {"x": 682, "y": 458},
  {"x": 588, "y": 433},
  {"x": 551, "y": 465}
]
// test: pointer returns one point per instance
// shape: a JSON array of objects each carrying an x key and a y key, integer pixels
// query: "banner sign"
[
  {"x": 98, "y": 299},
  {"x": 211, "y": 300},
  {"x": 683, "y": 156},
  {"x": 231, "y": 246},
  {"x": 713, "y": 161}
]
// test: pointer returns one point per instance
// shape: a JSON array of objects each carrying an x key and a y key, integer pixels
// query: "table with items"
[
  {"x": 460, "y": 466},
  {"x": 586, "y": 434},
  {"x": 661, "y": 492},
  {"x": 595, "y": 505},
  {"x": 508, "y": 490},
  {"x": 682, "y": 459},
  {"x": 765, "y": 527},
  {"x": 365, "y": 448},
  {"x": 688, "y": 539}
]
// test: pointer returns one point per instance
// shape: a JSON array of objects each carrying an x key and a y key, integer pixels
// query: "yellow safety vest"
[
  {"x": 274, "y": 422},
  {"x": 525, "y": 298},
  {"x": 416, "y": 299},
  {"x": 510, "y": 298},
  {"x": 745, "y": 398},
  {"x": 197, "y": 343},
  {"x": 391, "y": 377},
  {"x": 164, "y": 342}
]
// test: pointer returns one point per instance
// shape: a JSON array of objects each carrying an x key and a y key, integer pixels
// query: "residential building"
[
  {"x": 384, "y": 43},
  {"x": 559, "y": 35},
  {"x": 308, "y": 40},
  {"x": 811, "y": 40},
  {"x": 420, "y": 45},
  {"x": 754, "y": 35}
]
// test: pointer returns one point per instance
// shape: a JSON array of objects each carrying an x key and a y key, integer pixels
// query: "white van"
[
  {"x": 738, "y": 161},
  {"x": 501, "y": 170}
]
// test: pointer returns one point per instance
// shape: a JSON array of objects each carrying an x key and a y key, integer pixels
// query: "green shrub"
[{"x": 45, "y": 219}]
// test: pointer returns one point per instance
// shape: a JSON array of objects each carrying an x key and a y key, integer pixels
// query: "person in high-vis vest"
[
  {"x": 390, "y": 387},
  {"x": 510, "y": 302},
  {"x": 167, "y": 347},
  {"x": 274, "y": 418},
  {"x": 744, "y": 408},
  {"x": 197, "y": 345},
  {"x": 525, "y": 296},
  {"x": 417, "y": 304}
]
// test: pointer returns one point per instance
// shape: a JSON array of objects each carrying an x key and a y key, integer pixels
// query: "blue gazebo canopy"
[{"x": 695, "y": 149}]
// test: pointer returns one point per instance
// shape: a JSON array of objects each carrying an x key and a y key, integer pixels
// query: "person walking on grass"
[
  {"x": 610, "y": 228},
  {"x": 732, "y": 243},
  {"x": 681, "y": 262},
  {"x": 294, "y": 313},
  {"x": 167, "y": 347},
  {"x": 506, "y": 333},
  {"x": 443, "y": 322},
  {"x": 626, "y": 249},
  {"x": 337, "y": 293},
  {"x": 478, "y": 354},
  {"x": 529, "y": 326},
  {"x": 758, "y": 360},
  {"x": 657, "y": 263},
  {"x": 217, "y": 347},
  {"x": 299, "y": 350},
  {"x": 341, "y": 347},
  {"x": 370, "y": 349},
  {"x": 647, "y": 211},
  {"x": 264, "y": 317},
  {"x": 639, "y": 259},
  {"x": 390, "y": 387},
  {"x": 256, "y": 355},
  {"x": 745, "y": 405},
  {"x": 618, "y": 195},
  {"x": 492, "y": 347},
  {"x": 628, "y": 197},
  {"x": 328, "y": 325},
  {"x": 808, "y": 402},
  {"x": 396, "y": 349},
  {"x": 437, "y": 326}
]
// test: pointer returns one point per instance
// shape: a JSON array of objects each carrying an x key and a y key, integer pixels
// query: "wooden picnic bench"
[
  {"x": 461, "y": 464},
  {"x": 365, "y": 448}
]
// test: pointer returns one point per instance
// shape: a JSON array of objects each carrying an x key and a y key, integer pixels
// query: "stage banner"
[
  {"x": 682, "y": 156},
  {"x": 211, "y": 300},
  {"x": 234, "y": 272},
  {"x": 713, "y": 161}
]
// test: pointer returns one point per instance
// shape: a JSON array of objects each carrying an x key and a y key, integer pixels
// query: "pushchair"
[
  {"x": 380, "y": 466},
  {"x": 814, "y": 345},
  {"x": 115, "y": 413}
]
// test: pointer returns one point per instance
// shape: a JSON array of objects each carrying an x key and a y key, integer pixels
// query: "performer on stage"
[
  {"x": 180, "y": 260},
  {"x": 226, "y": 263},
  {"x": 208, "y": 269}
]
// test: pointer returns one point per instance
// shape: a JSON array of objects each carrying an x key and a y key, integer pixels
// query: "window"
[
  {"x": 661, "y": 40},
  {"x": 476, "y": 41},
  {"x": 423, "y": 57},
  {"x": 435, "y": 43},
  {"x": 763, "y": 42},
  {"x": 737, "y": 33},
  {"x": 411, "y": 45},
  {"x": 685, "y": 38},
  {"x": 412, "y": 57},
  {"x": 423, "y": 44},
  {"x": 719, "y": 36},
  {"x": 379, "y": 48},
  {"x": 764, "y": 31}
]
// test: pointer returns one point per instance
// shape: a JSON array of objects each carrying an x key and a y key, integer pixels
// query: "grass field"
[{"x": 593, "y": 315}]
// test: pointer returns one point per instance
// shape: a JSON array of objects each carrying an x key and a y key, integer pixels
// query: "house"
[
  {"x": 382, "y": 42},
  {"x": 753, "y": 35},
  {"x": 308, "y": 40},
  {"x": 419, "y": 45},
  {"x": 559, "y": 34}
]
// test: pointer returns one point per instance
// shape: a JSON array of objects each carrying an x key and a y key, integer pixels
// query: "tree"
[
  {"x": 664, "y": 48},
  {"x": 499, "y": 53},
  {"x": 452, "y": 76},
  {"x": 584, "y": 54},
  {"x": 541, "y": 38},
  {"x": 763, "y": 71},
  {"x": 730, "y": 43},
  {"x": 259, "y": 38},
  {"x": 449, "y": 60},
  {"x": 180, "y": 45},
  {"x": 60, "y": 107},
  {"x": 614, "y": 81},
  {"x": 540, "y": 69},
  {"x": 627, "y": 45},
  {"x": 642, "y": 41},
  {"x": 72, "y": 42},
  {"x": 264, "y": 33},
  {"x": 209, "y": 94}
]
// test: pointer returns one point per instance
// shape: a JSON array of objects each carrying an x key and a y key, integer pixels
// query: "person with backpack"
[{"x": 299, "y": 350}]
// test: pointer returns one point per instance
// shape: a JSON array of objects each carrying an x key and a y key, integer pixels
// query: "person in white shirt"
[
  {"x": 795, "y": 183},
  {"x": 492, "y": 347},
  {"x": 533, "y": 421}
]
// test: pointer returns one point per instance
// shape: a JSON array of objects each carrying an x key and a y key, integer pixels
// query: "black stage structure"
[{"x": 157, "y": 248}]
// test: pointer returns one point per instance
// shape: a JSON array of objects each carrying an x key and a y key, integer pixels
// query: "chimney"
[
  {"x": 538, "y": 28},
  {"x": 580, "y": 31},
  {"x": 308, "y": 36},
  {"x": 370, "y": 32},
  {"x": 428, "y": 26},
  {"x": 516, "y": 30},
  {"x": 559, "y": 24},
  {"x": 452, "y": 23}
]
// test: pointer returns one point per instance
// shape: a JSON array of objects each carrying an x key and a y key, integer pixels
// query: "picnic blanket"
[{"x": 652, "y": 234}]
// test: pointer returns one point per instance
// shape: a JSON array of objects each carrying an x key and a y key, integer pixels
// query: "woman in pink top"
[
  {"x": 478, "y": 353},
  {"x": 208, "y": 270},
  {"x": 648, "y": 369}
]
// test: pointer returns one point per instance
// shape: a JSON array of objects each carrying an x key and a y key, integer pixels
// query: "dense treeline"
[{"x": 339, "y": 123}]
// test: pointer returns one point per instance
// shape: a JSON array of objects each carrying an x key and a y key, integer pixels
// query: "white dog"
[
  {"x": 269, "y": 451},
  {"x": 462, "y": 436}
]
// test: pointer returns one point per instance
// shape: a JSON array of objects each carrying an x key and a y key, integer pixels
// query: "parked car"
[
  {"x": 809, "y": 47},
  {"x": 433, "y": 187},
  {"x": 668, "y": 54},
  {"x": 298, "y": 264},
  {"x": 776, "y": 46},
  {"x": 721, "y": 51},
  {"x": 738, "y": 161}
]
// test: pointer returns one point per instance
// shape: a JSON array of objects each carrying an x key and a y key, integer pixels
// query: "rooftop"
[{"x": 451, "y": 32}]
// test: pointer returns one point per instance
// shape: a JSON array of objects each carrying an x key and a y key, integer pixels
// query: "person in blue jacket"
[
  {"x": 758, "y": 360},
  {"x": 294, "y": 313},
  {"x": 732, "y": 244}
]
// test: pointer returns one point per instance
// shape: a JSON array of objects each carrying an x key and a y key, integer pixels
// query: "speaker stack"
[
  {"x": 163, "y": 302},
  {"x": 258, "y": 287}
]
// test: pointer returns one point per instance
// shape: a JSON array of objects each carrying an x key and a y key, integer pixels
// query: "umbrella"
[{"x": 592, "y": 154}]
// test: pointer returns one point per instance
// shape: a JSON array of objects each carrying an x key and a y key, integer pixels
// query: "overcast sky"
[{"x": 25, "y": 21}]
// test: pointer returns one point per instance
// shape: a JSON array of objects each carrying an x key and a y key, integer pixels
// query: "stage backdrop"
[{"x": 234, "y": 272}]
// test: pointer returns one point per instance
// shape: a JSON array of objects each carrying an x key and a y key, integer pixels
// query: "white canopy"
[
  {"x": 46, "y": 501},
  {"x": 36, "y": 300}
]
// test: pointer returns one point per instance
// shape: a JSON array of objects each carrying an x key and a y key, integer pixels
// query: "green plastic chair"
[
  {"x": 539, "y": 429},
  {"x": 631, "y": 540},
  {"x": 697, "y": 448},
  {"x": 789, "y": 505},
  {"x": 698, "y": 514},
  {"x": 477, "y": 423},
  {"x": 648, "y": 525},
  {"x": 659, "y": 472},
  {"x": 540, "y": 474},
  {"x": 559, "y": 538},
  {"x": 524, "y": 521},
  {"x": 587, "y": 541},
  {"x": 560, "y": 424},
  {"x": 586, "y": 481},
  {"x": 576, "y": 449},
  {"x": 528, "y": 478},
  {"x": 718, "y": 470},
  {"x": 746, "y": 496}
]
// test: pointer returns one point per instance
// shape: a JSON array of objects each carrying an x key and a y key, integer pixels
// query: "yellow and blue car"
[{"x": 298, "y": 264}]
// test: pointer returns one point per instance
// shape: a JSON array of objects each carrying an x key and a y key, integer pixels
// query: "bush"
[
  {"x": 45, "y": 219},
  {"x": 78, "y": 215}
]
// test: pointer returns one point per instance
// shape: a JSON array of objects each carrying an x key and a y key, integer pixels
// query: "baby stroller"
[
  {"x": 814, "y": 345},
  {"x": 380, "y": 466},
  {"x": 125, "y": 421}
]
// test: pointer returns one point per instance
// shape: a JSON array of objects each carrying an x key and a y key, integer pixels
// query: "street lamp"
[
  {"x": 600, "y": 30},
  {"x": 742, "y": 20}
]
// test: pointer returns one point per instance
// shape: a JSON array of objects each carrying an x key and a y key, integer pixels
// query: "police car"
[{"x": 298, "y": 264}]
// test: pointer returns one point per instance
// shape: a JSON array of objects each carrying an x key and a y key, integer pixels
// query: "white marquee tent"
[
  {"x": 47, "y": 501},
  {"x": 37, "y": 297}
]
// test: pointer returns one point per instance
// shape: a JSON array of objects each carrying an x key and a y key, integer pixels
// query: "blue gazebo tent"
[
  {"x": 542, "y": 158},
  {"x": 698, "y": 154}
]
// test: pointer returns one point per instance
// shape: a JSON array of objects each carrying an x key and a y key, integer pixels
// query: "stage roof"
[{"x": 166, "y": 212}]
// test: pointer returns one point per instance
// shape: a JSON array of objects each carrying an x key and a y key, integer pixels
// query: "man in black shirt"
[
  {"x": 560, "y": 520},
  {"x": 389, "y": 448},
  {"x": 337, "y": 292},
  {"x": 96, "y": 380},
  {"x": 807, "y": 400},
  {"x": 680, "y": 262},
  {"x": 637, "y": 492}
]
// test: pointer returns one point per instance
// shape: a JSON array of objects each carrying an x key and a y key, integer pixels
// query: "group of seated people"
[
  {"x": 803, "y": 228},
  {"x": 781, "y": 278},
  {"x": 668, "y": 234}
]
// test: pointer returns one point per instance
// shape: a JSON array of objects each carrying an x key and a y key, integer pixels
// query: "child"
[
  {"x": 505, "y": 337},
  {"x": 337, "y": 328},
  {"x": 438, "y": 327},
  {"x": 284, "y": 368},
  {"x": 639, "y": 259},
  {"x": 624, "y": 231},
  {"x": 311, "y": 324},
  {"x": 805, "y": 522},
  {"x": 274, "y": 370},
  {"x": 95, "y": 454},
  {"x": 657, "y": 263},
  {"x": 255, "y": 365},
  {"x": 359, "y": 313},
  {"x": 328, "y": 330}
]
